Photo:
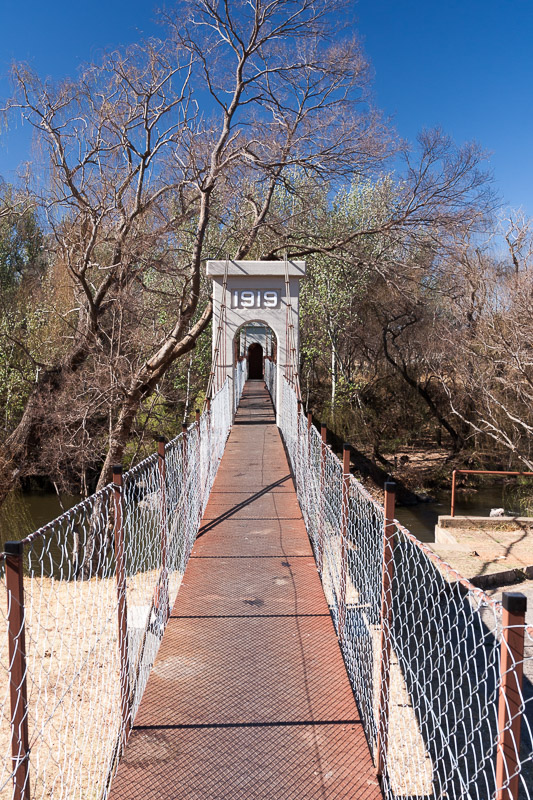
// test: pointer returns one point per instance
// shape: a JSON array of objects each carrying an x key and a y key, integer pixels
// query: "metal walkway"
[{"x": 249, "y": 696}]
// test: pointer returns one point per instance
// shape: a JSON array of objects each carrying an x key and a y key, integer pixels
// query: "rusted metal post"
[
  {"x": 161, "y": 460},
  {"x": 323, "y": 437},
  {"x": 120, "y": 562},
  {"x": 185, "y": 483},
  {"x": 479, "y": 472},
  {"x": 510, "y": 704},
  {"x": 199, "y": 456},
  {"x": 386, "y": 618},
  {"x": 208, "y": 448},
  {"x": 20, "y": 746},
  {"x": 298, "y": 429},
  {"x": 184, "y": 446},
  {"x": 309, "y": 451},
  {"x": 344, "y": 538},
  {"x": 452, "y": 509}
]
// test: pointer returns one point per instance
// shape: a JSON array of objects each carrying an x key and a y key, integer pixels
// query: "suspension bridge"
[{"x": 237, "y": 617}]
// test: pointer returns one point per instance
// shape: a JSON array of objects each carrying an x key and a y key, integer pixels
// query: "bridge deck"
[{"x": 249, "y": 697}]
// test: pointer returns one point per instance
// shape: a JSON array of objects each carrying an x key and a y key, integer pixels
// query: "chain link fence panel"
[
  {"x": 270, "y": 378},
  {"x": 82, "y": 689},
  {"x": 239, "y": 379},
  {"x": 424, "y": 659}
]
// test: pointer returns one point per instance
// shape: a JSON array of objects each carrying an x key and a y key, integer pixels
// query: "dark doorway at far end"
[{"x": 255, "y": 361}]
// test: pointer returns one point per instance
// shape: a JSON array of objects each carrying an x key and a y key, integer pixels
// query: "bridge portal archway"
[
  {"x": 244, "y": 291},
  {"x": 255, "y": 342}
]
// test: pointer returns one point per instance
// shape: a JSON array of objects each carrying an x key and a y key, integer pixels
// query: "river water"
[
  {"x": 21, "y": 514},
  {"x": 422, "y": 518}
]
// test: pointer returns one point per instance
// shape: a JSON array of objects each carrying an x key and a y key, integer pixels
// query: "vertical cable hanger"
[
  {"x": 291, "y": 365},
  {"x": 216, "y": 376}
]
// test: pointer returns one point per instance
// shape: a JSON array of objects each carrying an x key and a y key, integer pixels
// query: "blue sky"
[{"x": 466, "y": 66}]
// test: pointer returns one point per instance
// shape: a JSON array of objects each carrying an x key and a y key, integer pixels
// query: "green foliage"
[
  {"x": 22, "y": 267},
  {"x": 518, "y": 495},
  {"x": 21, "y": 247},
  {"x": 336, "y": 284},
  {"x": 15, "y": 371}
]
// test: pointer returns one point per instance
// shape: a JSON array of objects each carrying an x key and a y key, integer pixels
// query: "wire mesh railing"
[
  {"x": 87, "y": 598},
  {"x": 270, "y": 378},
  {"x": 239, "y": 380},
  {"x": 442, "y": 674}
]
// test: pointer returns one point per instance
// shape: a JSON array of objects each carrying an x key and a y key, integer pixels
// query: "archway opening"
[
  {"x": 255, "y": 362},
  {"x": 252, "y": 333}
]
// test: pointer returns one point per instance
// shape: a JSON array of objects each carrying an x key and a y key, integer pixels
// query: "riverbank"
[
  {"x": 426, "y": 473},
  {"x": 489, "y": 551}
]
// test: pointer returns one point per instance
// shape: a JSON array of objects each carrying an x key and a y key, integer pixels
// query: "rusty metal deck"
[{"x": 249, "y": 697}]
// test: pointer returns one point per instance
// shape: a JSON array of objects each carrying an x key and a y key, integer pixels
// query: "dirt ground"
[
  {"x": 422, "y": 468},
  {"x": 73, "y": 682}
]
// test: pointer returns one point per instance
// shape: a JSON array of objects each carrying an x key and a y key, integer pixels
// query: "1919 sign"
[{"x": 255, "y": 298}]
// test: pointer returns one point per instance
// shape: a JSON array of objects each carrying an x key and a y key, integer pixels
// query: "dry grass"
[{"x": 73, "y": 682}]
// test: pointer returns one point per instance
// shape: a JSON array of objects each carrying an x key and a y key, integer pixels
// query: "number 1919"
[{"x": 255, "y": 298}]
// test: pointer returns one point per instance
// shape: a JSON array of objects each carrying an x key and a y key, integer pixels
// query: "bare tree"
[
  {"x": 493, "y": 355},
  {"x": 139, "y": 180}
]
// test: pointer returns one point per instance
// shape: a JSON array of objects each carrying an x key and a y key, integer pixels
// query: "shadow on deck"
[{"x": 249, "y": 696}]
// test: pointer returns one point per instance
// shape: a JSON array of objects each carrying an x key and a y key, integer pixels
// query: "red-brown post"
[
  {"x": 120, "y": 560},
  {"x": 309, "y": 426},
  {"x": 344, "y": 537},
  {"x": 510, "y": 701},
  {"x": 208, "y": 448},
  {"x": 323, "y": 437},
  {"x": 452, "y": 509},
  {"x": 199, "y": 456},
  {"x": 298, "y": 428},
  {"x": 20, "y": 747},
  {"x": 162, "y": 464},
  {"x": 184, "y": 447},
  {"x": 185, "y": 476},
  {"x": 386, "y": 618}
]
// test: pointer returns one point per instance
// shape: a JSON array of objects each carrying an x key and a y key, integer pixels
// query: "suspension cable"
[
  {"x": 291, "y": 366},
  {"x": 217, "y": 368}
]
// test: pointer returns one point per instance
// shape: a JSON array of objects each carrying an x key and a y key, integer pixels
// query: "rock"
[
  {"x": 425, "y": 498},
  {"x": 497, "y": 512}
]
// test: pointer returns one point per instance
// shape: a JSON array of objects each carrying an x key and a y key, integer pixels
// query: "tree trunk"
[
  {"x": 457, "y": 439},
  {"x": 142, "y": 385},
  {"x": 20, "y": 447}
]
